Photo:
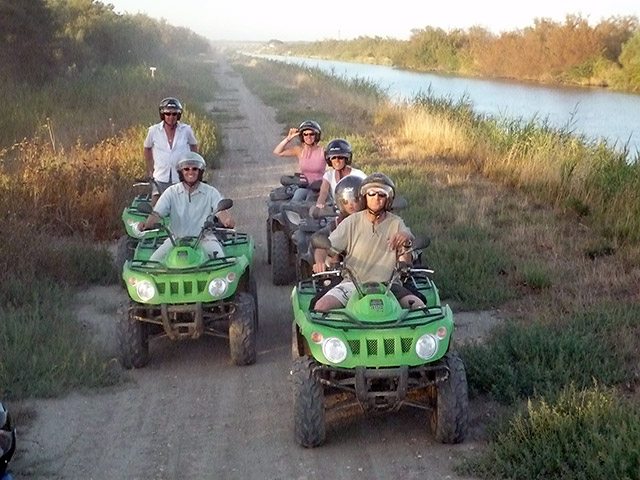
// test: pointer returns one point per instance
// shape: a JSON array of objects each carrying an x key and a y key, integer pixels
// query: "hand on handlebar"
[
  {"x": 399, "y": 239},
  {"x": 137, "y": 229},
  {"x": 319, "y": 267}
]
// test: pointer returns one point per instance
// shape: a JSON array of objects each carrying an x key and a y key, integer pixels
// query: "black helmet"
[
  {"x": 379, "y": 182},
  {"x": 191, "y": 159},
  {"x": 310, "y": 125},
  {"x": 338, "y": 148},
  {"x": 7, "y": 439},
  {"x": 348, "y": 189},
  {"x": 170, "y": 103}
]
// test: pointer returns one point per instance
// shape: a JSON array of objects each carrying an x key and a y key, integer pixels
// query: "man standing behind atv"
[
  {"x": 166, "y": 143},
  {"x": 369, "y": 240},
  {"x": 188, "y": 204}
]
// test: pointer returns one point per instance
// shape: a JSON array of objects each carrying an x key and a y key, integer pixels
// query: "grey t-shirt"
[
  {"x": 188, "y": 211},
  {"x": 367, "y": 254}
]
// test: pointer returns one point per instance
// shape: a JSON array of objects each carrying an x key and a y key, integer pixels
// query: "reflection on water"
[{"x": 594, "y": 112}]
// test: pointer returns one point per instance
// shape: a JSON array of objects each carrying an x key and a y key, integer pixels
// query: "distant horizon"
[{"x": 258, "y": 21}]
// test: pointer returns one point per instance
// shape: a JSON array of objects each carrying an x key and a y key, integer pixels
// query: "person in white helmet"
[
  {"x": 166, "y": 143},
  {"x": 188, "y": 204}
]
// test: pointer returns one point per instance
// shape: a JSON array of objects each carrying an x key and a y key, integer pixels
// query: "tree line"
[
  {"x": 571, "y": 51},
  {"x": 43, "y": 39}
]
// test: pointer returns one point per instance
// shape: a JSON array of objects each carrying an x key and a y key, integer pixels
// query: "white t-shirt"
[
  {"x": 188, "y": 211},
  {"x": 165, "y": 157},
  {"x": 330, "y": 176}
]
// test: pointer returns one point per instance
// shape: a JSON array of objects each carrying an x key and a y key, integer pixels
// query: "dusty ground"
[{"x": 191, "y": 414}]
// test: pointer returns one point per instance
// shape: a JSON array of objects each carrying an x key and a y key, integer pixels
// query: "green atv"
[
  {"x": 134, "y": 213},
  {"x": 189, "y": 294},
  {"x": 375, "y": 354}
]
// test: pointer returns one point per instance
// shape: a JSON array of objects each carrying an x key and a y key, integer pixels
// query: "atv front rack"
[{"x": 409, "y": 318}]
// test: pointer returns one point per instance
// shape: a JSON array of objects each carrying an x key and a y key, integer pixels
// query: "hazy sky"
[{"x": 344, "y": 19}]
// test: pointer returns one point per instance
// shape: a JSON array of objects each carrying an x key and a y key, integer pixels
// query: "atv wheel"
[
  {"x": 449, "y": 416},
  {"x": 281, "y": 270},
  {"x": 308, "y": 404},
  {"x": 242, "y": 330},
  {"x": 133, "y": 339},
  {"x": 124, "y": 252},
  {"x": 268, "y": 243}
]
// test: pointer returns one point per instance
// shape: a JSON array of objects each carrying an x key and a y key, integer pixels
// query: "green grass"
[
  {"x": 520, "y": 361},
  {"x": 45, "y": 351},
  {"x": 583, "y": 434}
]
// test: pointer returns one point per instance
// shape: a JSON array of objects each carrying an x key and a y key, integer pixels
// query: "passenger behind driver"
[
  {"x": 370, "y": 240},
  {"x": 348, "y": 199},
  {"x": 338, "y": 156},
  {"x": 188, "y": 204}
]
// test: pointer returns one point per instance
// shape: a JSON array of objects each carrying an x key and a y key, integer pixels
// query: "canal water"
[{"x": 596, "y": 113}]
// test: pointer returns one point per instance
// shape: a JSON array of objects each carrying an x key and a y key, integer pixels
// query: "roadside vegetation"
[
  {"x": 76, "y": 116},
  {"x": 526, "y": 220},
  {"x": 570, "y": 52}
]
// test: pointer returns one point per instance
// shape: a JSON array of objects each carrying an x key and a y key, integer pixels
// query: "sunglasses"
[
  {"x": 309, "y": 134},
  {"x": 378, "y": 194},
  {"x": 171, "y": 114},
  {"x": 339, "y": 157},
  {"x": 190, "y": 169}
]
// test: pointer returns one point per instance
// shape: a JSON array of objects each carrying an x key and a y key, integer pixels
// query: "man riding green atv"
[
  {"x": 197, "y": 280},
  {"x": 374, "y": 328}
]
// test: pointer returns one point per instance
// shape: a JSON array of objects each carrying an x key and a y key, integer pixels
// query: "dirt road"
[{"x": 190, "y": 414}]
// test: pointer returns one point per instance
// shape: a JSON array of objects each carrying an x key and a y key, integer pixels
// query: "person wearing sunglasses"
[
  {"x": 371, "y": 240},
  {"x": 338, "y": 156},
  {"x": 165, "y": 144},
  {"x": 188, "y": 204},
  {"x": 310, "y": 155}
]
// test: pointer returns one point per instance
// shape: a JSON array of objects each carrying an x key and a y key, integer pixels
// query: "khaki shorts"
[{"x": 343, "y": 291}]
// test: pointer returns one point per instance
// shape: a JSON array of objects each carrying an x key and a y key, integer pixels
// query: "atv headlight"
[
  {"x": 334, "y": 350},
  {"x": 217, "y": 287},
  {"x": 293, "y": 217},
  {"x": 145, "y": 290},
  {"x": 426, "y": 346}
]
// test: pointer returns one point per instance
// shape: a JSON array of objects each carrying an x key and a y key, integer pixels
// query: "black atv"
[{"x": 284, "y": 218}]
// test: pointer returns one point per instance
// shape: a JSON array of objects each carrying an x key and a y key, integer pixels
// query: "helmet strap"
[{"x": 379, "y": 213}]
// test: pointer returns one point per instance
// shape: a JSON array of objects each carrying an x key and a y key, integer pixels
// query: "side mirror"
[
  {"x": 400, "y": 203},
  {"x": 420, "y": 243},
  {"x": 224, "y": 204},
  {"x": 145, "y": 207}
]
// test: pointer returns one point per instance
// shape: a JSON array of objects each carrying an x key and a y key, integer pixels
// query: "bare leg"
[
  {"x": 411, "y": 302},
  {"x": 328, "y": 302}
]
